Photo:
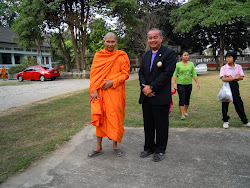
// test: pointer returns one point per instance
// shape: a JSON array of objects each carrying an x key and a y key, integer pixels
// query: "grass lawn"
[
  {"x": 14, "y": 83},
  {"x": 204, "y": 110},
  {"x": 32, "y": 132}
]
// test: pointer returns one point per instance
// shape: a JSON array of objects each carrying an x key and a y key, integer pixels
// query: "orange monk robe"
[
  {"x": 3, "y": 72},
  {"x": 108, "y": 113}
]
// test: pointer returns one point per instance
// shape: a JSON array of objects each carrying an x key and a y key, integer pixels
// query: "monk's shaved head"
[
  {"x": 110, "y": 34},
  {"x": 110, "y": 41}
]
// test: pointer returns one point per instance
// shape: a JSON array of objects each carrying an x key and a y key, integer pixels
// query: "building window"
[
  {"x": 17, "y": 59},
  {"x": 7, "y": 48},
  {"x": 17, "y": 49},
  {"x": 47, "y": 60},
  {"x": 43, "y": 60},
  {"x": 6, "y": 58}
]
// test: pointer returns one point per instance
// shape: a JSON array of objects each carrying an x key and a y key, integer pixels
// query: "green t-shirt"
[{"x": 185, "y": 73}]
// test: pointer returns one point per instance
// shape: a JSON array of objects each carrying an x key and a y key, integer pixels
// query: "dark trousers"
[
  {"x": 184, "y": 92},
  {"x": 156, "y": 125},
  {"x": 238, "y": 104}
]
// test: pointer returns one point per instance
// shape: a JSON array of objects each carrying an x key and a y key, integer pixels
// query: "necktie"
[{"x": 152, "y": 59}]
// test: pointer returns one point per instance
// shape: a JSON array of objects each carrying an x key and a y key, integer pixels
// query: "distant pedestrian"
[
  {"x": 182, "y": 81},
  {"x": 232, "y": 73},
  {"x": 3, "y": 72},
  {"x": 62, "y": 67}
]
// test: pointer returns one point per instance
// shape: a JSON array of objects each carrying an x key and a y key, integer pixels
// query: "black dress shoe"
[
  {"x": 158, "y": 157},
  {"x": 145, "y": 154}
]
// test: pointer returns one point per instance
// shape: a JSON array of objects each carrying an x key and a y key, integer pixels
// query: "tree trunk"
[
  {"x": 64, "y": 53},
  {"x": 38, "y": 46},
  {"x": 83, "y": 20},
  {"x": 75, "y": 47},
  {"x": 215, "y": 58},
  {"x": 222, "y": 38},
  {"x": 83, "y": 63}
]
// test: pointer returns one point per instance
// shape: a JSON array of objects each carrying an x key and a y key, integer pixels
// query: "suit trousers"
[
  {"x": 156, "y": 125},
  {"x": 238, "y": 104}
]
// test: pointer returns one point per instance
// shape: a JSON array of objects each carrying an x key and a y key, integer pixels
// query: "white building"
[{"x": 11, "y": 53}]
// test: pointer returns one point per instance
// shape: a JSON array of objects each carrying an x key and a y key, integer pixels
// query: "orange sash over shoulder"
[{"x": 107, "y": 114}]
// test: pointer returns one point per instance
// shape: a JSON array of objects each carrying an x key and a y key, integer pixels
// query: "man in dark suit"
[{"x": 156, "y": 71}]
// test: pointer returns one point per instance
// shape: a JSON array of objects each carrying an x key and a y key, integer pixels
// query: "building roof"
[{"x": 7, "y": 35}]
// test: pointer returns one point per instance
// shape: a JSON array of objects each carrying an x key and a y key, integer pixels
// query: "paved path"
[
  {"x": 13, "y": 96},
  {"x": 195, "y": 158}
]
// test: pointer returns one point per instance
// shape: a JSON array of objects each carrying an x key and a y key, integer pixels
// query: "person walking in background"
[
  {"x": 3, "y": 72},
  {"x": 232, "y": 73},
  {"x": 155, "y": 74},
  {"x": 109, "y": 70},
  {"x": 182, "y": 81}
]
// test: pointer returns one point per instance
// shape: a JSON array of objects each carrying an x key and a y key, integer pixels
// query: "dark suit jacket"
[{"x": 160, "y": 75}]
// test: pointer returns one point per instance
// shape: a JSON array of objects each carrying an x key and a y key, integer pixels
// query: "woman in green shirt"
[{"x": 184, "y": 72}]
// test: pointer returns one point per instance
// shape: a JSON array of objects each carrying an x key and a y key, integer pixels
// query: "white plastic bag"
[{"x": 225, "y": 94}]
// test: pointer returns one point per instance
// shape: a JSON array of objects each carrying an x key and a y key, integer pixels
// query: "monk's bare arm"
[
  {"x": 108, "y": 84},
  {"x": 93, "y": 96}
]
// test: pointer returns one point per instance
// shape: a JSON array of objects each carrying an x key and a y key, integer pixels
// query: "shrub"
[
  {"x": 25, "y": 63},
  {"x": 29, "y": 62},
  {"x": 16, "y": 69}
]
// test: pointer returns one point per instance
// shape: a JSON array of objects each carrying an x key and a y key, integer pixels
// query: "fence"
[{"x": 243, "y": 60}]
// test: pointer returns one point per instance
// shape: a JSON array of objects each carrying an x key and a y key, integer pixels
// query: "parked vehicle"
[
  {"x": 201, "y": 68},
  {"x": 40, "y": 72}
]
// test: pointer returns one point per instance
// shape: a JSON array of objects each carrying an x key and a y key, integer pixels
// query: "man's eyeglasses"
[{"x": 154, "y": 37}]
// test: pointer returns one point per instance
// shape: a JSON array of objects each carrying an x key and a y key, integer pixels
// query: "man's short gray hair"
[
  {"x": 110, "y": 34},
  {"x": 156, "y": 29}
]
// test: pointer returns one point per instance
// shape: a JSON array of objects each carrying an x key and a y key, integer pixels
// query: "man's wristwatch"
[{"x": 151, "y": 87}]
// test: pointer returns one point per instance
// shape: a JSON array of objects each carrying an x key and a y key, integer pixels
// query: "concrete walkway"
[{"x": 195, "y": 158}]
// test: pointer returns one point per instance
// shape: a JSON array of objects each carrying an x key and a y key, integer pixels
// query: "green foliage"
[
  {"x": 98, "y": 29},
  {"x": 28, "y": 62},
  {"x": 16, "y": 69},
  {"x": 25, "y": 63},
  {"x": 8, "y": 12},
  {"x": 207, "y": 13},
  {"x": 222, "y": 24},
  {"x": 125, "y": 10},
  {"x": 29, "y": 24}
]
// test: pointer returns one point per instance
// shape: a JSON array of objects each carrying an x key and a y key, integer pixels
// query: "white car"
[{"x": 201, "y": 68}]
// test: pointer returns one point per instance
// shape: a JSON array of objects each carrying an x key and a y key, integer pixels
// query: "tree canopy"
[
  {"x": 221, "y": 24},
  {"x": 8, "y": 12},
  {"x": 29, "y": 24},
  {"x": 217, "y": 14}
]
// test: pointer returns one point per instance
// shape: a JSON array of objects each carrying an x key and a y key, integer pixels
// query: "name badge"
[{"x": 159, "y": 64}]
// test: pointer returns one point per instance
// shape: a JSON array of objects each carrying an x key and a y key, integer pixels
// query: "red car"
[{"x": 39, "y": 72}]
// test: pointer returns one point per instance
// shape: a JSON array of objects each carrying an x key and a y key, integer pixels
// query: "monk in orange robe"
[
  {"x": 3, "y": 72},
  {"x": 109, "y": 70}
]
